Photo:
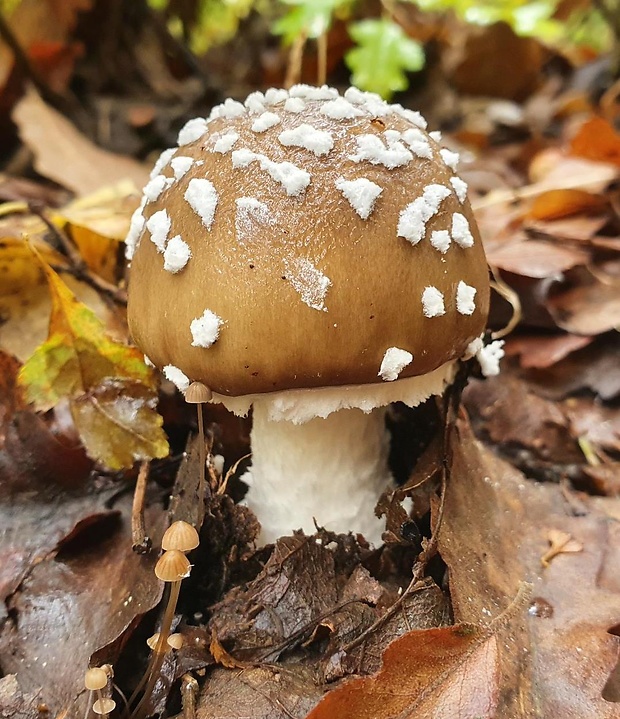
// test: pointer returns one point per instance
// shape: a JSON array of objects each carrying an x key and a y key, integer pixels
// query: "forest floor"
[{"x": 498, "y": 595}]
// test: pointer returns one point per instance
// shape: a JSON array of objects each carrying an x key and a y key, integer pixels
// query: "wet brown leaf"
[
  {"x": 302, "y": 583},
  {"x": 492, "y": 539},
  {"x": 73, "y": 604},
  {"x": 260, "y": 693},
  {"x": 452, "y": 672}
]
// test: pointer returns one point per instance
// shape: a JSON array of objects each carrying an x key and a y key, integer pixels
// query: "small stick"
[
  {"x": 189, "y": 694},
  {"x": 295, "y": 58},
  {"x": 78, "y": 267},
  {"x": 140, "y": 542},
  {"x": 321, "y": 43}
]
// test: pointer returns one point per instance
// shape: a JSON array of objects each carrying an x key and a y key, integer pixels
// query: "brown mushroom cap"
[{"x": 300, "y": 290}]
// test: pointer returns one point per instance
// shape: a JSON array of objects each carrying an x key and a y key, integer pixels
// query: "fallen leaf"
[
  {"x": 75, "y": 603},
  {"x": 512, "y": 416},
  {"x": 33, "y": 447},
  {"x": 554, "y": 204},
  {"x": 597, "y": 140},
  {"x": 25, "y": 302},
  {"x": 280, "y": 609},
  {"x": 535, "y": 258},
  {"x": 451, "y": 672},
  {"x": 269, "y": 692},
  {"x": 584, "y": 305},
  {"x": 80, "y": 363},
  {"x": 66, "y": 156},
  {"x": 118, "y": 422},
  {"x": 595, "y": 367},
  {"x": 594, "y": 421},
  {"x": 13, "y": 701},
  {"x": 580, "y": 228},
  {"x": 561, "y": 543},
  {"x": 221, "y": 656},
  {"x": 490, "y": 540},
  {"x": 542, "y": 351},
  {"x": 97, "y": 223}
]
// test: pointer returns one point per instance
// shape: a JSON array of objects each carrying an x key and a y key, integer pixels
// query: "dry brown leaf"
[
  {"x": 543, "y": 351},
  {"x": 561, "y": 543},
  {"x": 597, "y": 140},
  {"x": 66, "y": 156},
  {"x": 584, "y": 305},
  {"x": 580, "y": 228},
  {"x": 555, "y": 204},
  {"x": 221, "y": 656},
  {"x": 535, "y": 258},
  {"x": 97, "y": 224}
]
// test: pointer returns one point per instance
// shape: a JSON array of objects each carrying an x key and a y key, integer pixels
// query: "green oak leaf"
[{"x": 383, "y": 56}]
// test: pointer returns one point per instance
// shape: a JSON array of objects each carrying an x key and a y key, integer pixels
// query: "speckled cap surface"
[{"x": 305, "y": 239}]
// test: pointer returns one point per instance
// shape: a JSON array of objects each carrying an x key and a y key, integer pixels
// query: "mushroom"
[{"x": 313, "y": 256}]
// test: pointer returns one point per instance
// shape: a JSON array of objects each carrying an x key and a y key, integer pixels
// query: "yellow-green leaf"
[
  {"x": 107, "y": 383},
  {"x": 118, "y": 424}
]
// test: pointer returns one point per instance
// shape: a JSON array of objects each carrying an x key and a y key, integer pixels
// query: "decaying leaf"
[
  {"x": 491, "y": 541},
  {"x": 97, "y": 224},
  {"x": 63, "y": 154},
  {"x": 451, "y": 672},
  {"x": 74, "y": 603},
  {"x": 109, "y": 387},
  {"x": 561, "y": 543}
]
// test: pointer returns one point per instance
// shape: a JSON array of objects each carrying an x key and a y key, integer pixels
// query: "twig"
[
  {"x": 293, "y": 70},
  {"x": 140, "y": 542},
  {"x": 79, "y": 269},
  {"x": 189, "y": 693},
  {"x": 321, "y": 44}
]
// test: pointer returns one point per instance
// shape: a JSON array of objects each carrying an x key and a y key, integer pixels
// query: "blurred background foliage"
[{"x": 572, "y": 24}]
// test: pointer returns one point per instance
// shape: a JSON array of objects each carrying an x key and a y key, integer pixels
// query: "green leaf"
[
  {"x": 382, "y": 57},
  {"x": 109, "y": 387},
  {"x": 311, "y": 18}
]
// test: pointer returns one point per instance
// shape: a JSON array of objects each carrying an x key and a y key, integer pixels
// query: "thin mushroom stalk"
[{"x": 172, "y": 567}]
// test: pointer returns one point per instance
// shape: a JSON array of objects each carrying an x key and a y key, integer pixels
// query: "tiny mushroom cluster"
[{"x": 312, "y": 255}]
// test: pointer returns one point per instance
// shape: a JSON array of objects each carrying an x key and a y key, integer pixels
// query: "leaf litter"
[{"x": 318, "y": 622}]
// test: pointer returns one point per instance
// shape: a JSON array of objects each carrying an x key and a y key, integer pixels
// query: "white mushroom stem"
[{"x": 331, "y": 470}]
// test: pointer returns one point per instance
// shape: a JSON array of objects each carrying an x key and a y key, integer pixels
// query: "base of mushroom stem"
[{"x": 328, "y": 471}]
